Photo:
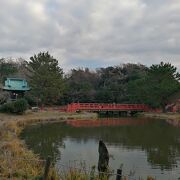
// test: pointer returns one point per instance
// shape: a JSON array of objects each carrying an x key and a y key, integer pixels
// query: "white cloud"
[
  {"x": 103, "y": 31},
  {"x": 37, "y": 10}
]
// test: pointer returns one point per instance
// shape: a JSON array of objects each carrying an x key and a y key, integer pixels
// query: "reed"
[{"x": 16, "y": 160}]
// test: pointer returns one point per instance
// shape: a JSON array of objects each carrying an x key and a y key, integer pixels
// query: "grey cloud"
[{"x": 112, "y": 32}]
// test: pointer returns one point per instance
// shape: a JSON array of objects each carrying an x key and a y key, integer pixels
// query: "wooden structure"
[{"x": 97, "y": 107}]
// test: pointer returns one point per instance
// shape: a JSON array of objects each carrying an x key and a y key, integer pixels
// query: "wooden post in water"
[
  {"x": 119, "y": 174},
  {"x": 47, "y": 167},
  {"x": 103, "y": 161}
]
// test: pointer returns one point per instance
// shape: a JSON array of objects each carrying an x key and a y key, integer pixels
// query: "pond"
[{"x": 143, "y": 146}]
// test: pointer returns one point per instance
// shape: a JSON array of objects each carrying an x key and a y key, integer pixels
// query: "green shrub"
[
  {"x": 20, "y": 106},
  {"x": 7, "y": 108},
  {"x": 30, "y": 99},
  {"x": 17, "y": 107}
]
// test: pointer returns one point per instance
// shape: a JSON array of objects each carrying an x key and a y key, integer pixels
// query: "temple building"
[{"x": 16, "y": 87}]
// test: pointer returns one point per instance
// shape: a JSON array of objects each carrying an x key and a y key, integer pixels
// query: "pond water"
[{"x": 144, "y": 146}]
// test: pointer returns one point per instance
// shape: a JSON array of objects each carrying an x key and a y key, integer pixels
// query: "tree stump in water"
[{"x": 103, "y": 157}]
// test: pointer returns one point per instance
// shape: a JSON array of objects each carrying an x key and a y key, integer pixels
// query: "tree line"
[{"x": 125, "y": 83}]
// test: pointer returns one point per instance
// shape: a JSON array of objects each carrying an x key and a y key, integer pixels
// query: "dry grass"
[
  {"x": 16, "y": 161},
  {"x": 12, "y": 155},
  {"x": 165, "y": 116},
  {"x": 74, "y": 174},
  {"x": 46, "y": 115}
]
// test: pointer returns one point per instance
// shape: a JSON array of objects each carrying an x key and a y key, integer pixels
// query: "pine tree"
[{"x": 46, "y": 78}]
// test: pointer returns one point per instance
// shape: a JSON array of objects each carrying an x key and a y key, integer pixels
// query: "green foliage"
[
  {"x": 7, "y": 67},
  {"x": 20, "y": 106},
  {"x": 3, "y": 97},
  {"x": 81, "y": 85},
  {"x": 46, "y": 78},
  {"x": 127, "y": 83},
  {"x": 114, "y": 81},
  {"x": 32, "y": 101},
  {"x": 17, "y": 107},
  {"x": 7, "y": 108},
  {"x": 161, "y": 82},
  {"x": 105, "y": 85}
]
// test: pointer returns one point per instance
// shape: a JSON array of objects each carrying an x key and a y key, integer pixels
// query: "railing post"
[
  {"x": 47, "y": 167},
  {"x": 119, "y": 174}
]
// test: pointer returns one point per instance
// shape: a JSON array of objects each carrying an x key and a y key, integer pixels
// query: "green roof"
[{"x": 16, "y": 84}]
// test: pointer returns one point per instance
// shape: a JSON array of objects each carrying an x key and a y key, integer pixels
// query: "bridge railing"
[{"x": 102, "y": 106}]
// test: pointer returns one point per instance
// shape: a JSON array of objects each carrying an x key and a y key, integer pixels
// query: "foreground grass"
[{"x": 16, "y": 161}]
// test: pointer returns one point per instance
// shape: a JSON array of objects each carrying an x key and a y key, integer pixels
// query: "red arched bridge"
[{"x": 97, "y": 107}]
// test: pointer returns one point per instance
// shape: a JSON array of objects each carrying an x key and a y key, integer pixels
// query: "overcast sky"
[{"x": 92, "y": 33}]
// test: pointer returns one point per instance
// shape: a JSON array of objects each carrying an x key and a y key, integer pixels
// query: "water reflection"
[{"x": 158, "y": 139}]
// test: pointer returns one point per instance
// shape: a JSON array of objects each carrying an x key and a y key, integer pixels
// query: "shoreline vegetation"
[
  {"x": 165, "y": 116},
  {"x": 16, "y": 160},
  {"x": 14, "y": 152}
]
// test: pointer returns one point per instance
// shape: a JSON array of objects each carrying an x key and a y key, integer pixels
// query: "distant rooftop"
[{"x": 16, "y": 84}]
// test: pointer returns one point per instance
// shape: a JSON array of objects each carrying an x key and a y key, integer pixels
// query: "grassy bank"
[
  {"x": 165, "y": 116},
  {"x": 16, "y": 161}
]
